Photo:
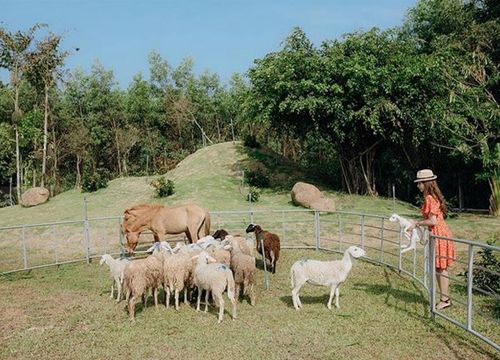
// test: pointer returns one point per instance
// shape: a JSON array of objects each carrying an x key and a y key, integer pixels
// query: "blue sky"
[{"x": 221, "y": 36}]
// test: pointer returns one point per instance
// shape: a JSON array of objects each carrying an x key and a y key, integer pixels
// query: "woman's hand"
[{"x": 413, "y": 225}]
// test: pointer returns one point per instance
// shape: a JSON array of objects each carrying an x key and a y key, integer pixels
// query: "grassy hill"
[
  {"x": 65, "y": 311},
  {"x": 211, "y": 177}
]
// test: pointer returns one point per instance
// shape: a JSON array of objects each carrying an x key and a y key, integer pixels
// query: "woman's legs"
[{"x": 444, "y": 285}]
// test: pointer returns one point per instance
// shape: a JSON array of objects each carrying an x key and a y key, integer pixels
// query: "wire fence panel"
[
  {"x": 476, "y": 306},
  {"x": 476, "y": 303}
]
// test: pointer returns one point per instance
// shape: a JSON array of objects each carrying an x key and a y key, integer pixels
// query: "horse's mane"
[{"x": 138, "y": 212}]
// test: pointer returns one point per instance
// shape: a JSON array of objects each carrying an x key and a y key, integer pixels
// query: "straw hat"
[{"x": 425, "y": 175}]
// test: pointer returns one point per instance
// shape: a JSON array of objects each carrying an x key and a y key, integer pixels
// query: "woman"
[{"x": 433, "y": 210}]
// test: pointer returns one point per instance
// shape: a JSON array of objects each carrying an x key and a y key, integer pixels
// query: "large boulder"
[
  {"x": 34, "y": 196},
  {"x": 309, "y": 196}
]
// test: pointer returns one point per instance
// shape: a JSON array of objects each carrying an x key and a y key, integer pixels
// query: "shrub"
[
  {"x": 163, "y": 187},
  {"x": 256, "y": 176},
  {"x": 253, "y": 195},
  {"x": 486, "y": 270},
  {"x": 251, "y": 142},
  {"x": 486, "y": 276},
  {"x": 96, "y": 181}
]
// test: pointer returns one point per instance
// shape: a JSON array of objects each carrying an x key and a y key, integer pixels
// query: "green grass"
[{"x": 66, "y": 313}]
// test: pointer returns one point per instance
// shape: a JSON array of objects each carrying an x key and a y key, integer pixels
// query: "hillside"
[{"x": 211, "y": 177}]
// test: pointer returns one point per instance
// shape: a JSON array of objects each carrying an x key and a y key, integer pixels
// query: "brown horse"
[{"x": 189, "y": 219}]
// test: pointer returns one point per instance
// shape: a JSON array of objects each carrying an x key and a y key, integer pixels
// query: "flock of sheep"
[{"x": 215, "y": 264}]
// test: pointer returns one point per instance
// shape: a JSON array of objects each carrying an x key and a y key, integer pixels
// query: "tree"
[
  {"x": 44, "y": 69},
  {"x": 14, "y": 50}
]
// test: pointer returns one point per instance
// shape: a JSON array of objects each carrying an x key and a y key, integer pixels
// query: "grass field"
[{"x": 65, "y": 312}]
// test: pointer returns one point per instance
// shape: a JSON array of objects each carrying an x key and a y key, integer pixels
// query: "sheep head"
[
  {"x": 253, "y": 228},
  {"x": 394, "y": 218},
  {"x": 356, "y": 252}
]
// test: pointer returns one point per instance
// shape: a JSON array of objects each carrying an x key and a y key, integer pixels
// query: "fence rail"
[{"x": 27, "y": 247}]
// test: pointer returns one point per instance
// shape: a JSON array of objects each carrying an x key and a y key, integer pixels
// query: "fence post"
[
  {"x": 470, "y": 277},
  {"x": 317, "y": 229},
  {"x": 432, "y": 272},
  {"x": 25, "y": 252},
  {"x": 266, "y": 275},
  {"x": 283, "y": 223},
  {"x": 86, "y": 237},
  {"x": 120, "y": 236},
  {"x": 382, "y": 241},
  {"x": 363, "y": 232},
  {"x": 340, "y": 231},
  {"x": 400, "y": 260},
  {"x": 54, "y": 242}
]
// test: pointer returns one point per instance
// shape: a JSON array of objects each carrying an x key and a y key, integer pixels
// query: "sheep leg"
[
  {"x": 199, "y": 300},
  {"x": 337, "y": 297},
  {"x": 237, "y": 289},
  {"x": 219, "y": 301},
  {"x": 206, "y": 300},
  {"x": 119, "y": 296},
  {"x": 167, "y": 297},
  {"x": 273, "y": 262},
  {"x": 332, "y": 293},
  {"x": 233, "y": 301},
  {"x": 155, "y": 295},
  {"x": 295, "y": 295},
  {"x": 176, "y": 299},
  {"x": 112, "y": 290},
  {"x": 131, "y": 308},
  {"x": 185, "y": 296},
  {"x": 252, "y": 295}
]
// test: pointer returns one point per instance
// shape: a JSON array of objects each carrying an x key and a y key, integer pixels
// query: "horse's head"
[{"x": 132, "y": 240}]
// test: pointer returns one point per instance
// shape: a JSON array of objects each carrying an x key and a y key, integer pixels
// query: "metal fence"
[{"x": 475, "y": 309}]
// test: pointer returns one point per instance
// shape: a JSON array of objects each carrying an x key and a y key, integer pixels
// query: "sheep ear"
[
  {"x": 195, "y": 257},
  {"x": 211, "y": 259},
  {"x": 227, "y": 247}
]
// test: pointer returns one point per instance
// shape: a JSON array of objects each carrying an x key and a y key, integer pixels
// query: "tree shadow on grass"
[
  {"x": 283, "y": 173},
  {"x": 450, "y": 337}
]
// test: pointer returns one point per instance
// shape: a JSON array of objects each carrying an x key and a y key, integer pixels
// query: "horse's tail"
[{"x": 207, "y": 223}]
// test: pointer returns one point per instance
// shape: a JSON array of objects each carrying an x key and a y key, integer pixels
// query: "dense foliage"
[
  {"x": 163, "y": 187},
  {"x": 363, "y": 112}
]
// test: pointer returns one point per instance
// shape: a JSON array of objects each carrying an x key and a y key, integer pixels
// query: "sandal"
[{"x": 443, "y": 304}]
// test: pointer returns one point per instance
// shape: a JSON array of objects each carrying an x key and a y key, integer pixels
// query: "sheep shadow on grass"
[
  {"x": 307, "y": 299},
  {"x": 259, "y": 264}
]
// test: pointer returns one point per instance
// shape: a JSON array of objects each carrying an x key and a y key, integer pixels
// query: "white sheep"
[
  {"x": 323, "y": 273},
  {"x": 214, "y": 277},
  {"x": 177, "y": 272},
  {"x": 116, "y": 268},
  {"x": 243, "y": 266},
  {"x": 417, "y": 234},
  {"x": 141, "y": 275}
]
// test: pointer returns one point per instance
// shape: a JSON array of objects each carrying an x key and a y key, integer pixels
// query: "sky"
[{"x": 221, "y": 36}]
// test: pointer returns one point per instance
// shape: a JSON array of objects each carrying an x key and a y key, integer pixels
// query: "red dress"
[{"x": 445, "y": 249}]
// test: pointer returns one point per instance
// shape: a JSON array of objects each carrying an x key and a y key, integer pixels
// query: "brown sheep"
[{"x": 271, "y": 244}]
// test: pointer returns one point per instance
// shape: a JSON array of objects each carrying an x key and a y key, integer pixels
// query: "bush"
[
  {"x": 96, "y": 181},
  {"x": 487, "y": 280},
  {"x": 486, "y": 276},
  {"x": 257, "y": 177},
  {"x": 253, "y": 195},
  {"x": 251, "y": 142},
  {"x": 163, "y": 187}
]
